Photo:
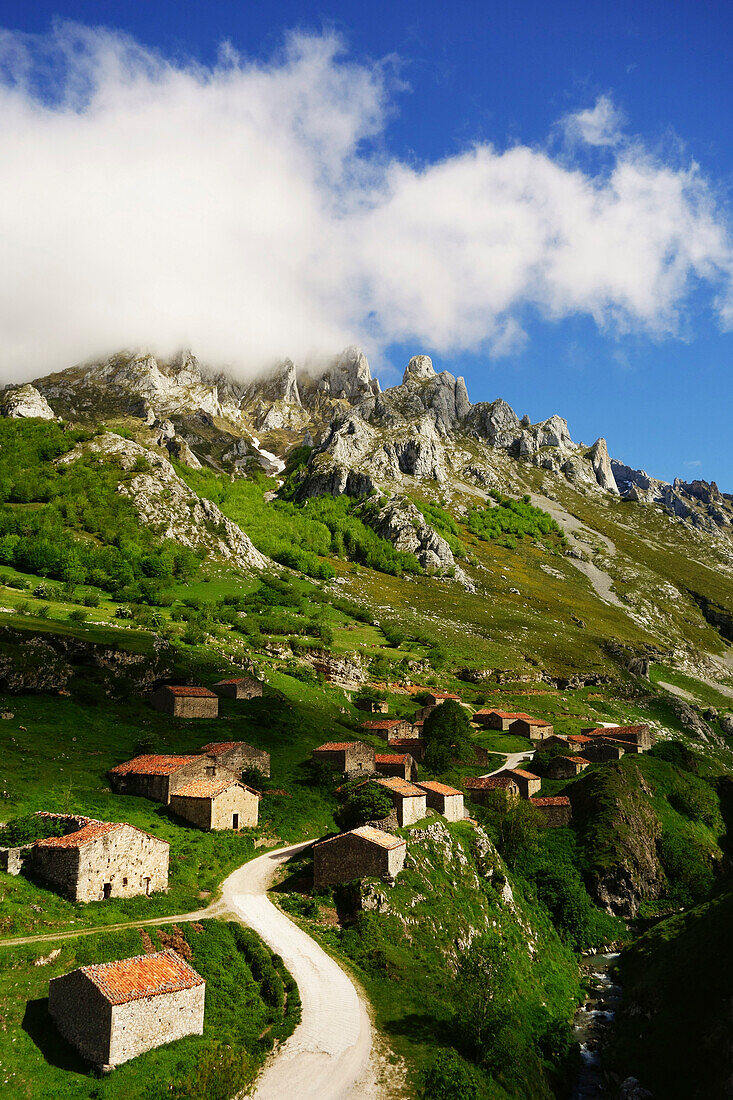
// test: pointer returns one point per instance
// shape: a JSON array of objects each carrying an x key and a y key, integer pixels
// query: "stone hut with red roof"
[
  {"x": 238, "y": 756},
  {"x": 414, "y": 745},
  {"x": 112, "y": 1012},
  {"x": 388, "y": 729},
  {"x": 566, "y": 767},
  {"x": 239, "y": 687},
  {"x": 637, "y": 738},
  {"x": 362, "y": 853},
  {"x": 528, "y": 782},
  {"x": 524, "y": 725},
  {"x": 158, "y": 776},
  {"x": 217, "y": 804},
  {"x": 182, "y": 701},
  {"x": 400, "y": 764},
  {"x": 409, "y": 801},
  {"x": 480, "y": 788},
  {"x": 348, "y": 757},
  {"x": 101, "y": 859},
  {"x": 556, "y": 811},
  {"x": 445, "y": 800}
]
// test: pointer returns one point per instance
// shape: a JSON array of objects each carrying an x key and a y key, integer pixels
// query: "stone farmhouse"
[
  {"x": 372, "y": 706},
  {"x": 361, "y": 853},
  {"x": 389, "y": 728},
  {"x": 348, "y": 757},
  {"x": 632, "y": 738},
  {"x": 400, "y": 764},
  {"x": 435, "y": 698},
  {"x": 556, "y": 811},
  {"x": 186, "y": 702},
  {"x": 239, "y": 687},
  {"x": 524, "y": 725},
  {"x": 566, "y": 767},
  {"x": 409, "y": 801},
  {"x": 216, "y": 804},
  {"x": 480, "y": 788},
  {"x": 527, "y": 782},
  {"x": 445, "y": 800},
  {"x": 237, "y": 756},
  {"x": 112, "y": 1012},
  {"x": 158, "y": 777},
  {"x": 101, "y": 859}
]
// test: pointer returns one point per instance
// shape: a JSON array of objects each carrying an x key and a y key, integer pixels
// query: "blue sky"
[{"x": 508, "y": 75}]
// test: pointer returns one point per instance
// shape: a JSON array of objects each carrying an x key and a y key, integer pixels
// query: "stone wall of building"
[
  {"x": 534, "y": 731},
  {"x": 556, "y": 816},
  {"x": 127, "y": 861},
  {"x": 185, "y": 706},
  {"x": 150, "y": 1022},
  {"x": 246, "y": 688},
  {"x": 82, "y": 1015},
  {"x": 159, "y": 788},
  {"x": 349, "y": 857},
  {"x": 449, "y": 805},
  {"x": 409, "y": 810},
  {"x": 217, "y": 812},
  {"x": 241, "y": 756},
  {"x": 12, "y": 860}
]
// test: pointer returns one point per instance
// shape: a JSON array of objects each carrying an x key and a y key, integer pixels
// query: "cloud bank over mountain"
[{"x": 252, "y": 211}]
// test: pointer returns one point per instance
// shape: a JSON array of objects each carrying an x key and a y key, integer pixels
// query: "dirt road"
[
  {"x": 328, "y": 1055},
  {"x": 511, "y": 760}
]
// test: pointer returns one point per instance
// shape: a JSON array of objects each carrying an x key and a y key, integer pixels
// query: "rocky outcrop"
[
  {"x": 404, "y": 526},
  {"x": 21, "y": 402},
  {"x": 601, "y": 464},
  {"x": 164, "y": 502}
]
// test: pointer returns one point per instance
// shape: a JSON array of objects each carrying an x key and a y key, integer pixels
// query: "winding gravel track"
[{"x": 328, "y": 1055}]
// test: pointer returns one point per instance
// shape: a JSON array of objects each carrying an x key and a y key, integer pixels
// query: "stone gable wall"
[
  {"x": 528, "y": 729},
  {"x": 82, "y": 1015},
  {"x": 152, "y": 1021},
  {"x": 249, "y": 689},
  {"x": 185, "y": 706},
  {"x": 216, "y": 813},
  {"x": 244, "y": 756},
  {"x": 555, "y": 816},
  {"x": 450, "y": 806}
]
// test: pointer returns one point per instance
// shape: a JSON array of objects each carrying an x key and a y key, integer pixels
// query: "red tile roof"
[
  {"x": 521, "y": 772},
  {"x": 400, "y": 787},
  {"x": 217, "y": 747},
  {"x": 407, "y": 742},
  {"x": 381, "y": 723},
  {"x": 152, "y": 765},
  {"x": 438, "y": 788},
  {"x": 611, "y": 731},
  {"x": 142, "y": 976},
  {"x": 190, "y": 692},
  {"x": 555, "y": 800},
  {"x": 443, "y": 695},
  {"x": 515, "y": 714},
  {"x": 209, "y": 788},
  {"x": 368, "y": 832},
  {"x": 82, "y": 836},
  {"x": 488, "y": 782},
  {"x": 578, "y": 738},
  {"x": 576, "y": 759},
  {"x": 336, "y": 746},
  {"x": 390, "y": 757}
]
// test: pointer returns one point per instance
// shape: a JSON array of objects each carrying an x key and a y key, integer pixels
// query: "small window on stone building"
[
  {"x": 124, "y": 882},
  {"x": 210, "y": 771}
]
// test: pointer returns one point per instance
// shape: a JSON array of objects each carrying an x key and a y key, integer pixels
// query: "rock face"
[
  {"x": 20, "y": 402},
  {"x": 404, "y": 526},
  {"x": 163, "y": 501},
  {"x": 602, "y": 466}
]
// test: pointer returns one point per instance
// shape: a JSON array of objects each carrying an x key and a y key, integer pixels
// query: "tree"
[
  {"x": 447, "y": 734},
  {"x": 484, "y": 993},
  {"x": 519, "y": 830},
  {"x": 449, "y": 1078},
  {"x": 368, "y": 803}
]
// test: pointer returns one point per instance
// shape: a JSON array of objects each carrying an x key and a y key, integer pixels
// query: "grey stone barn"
[
  {"x": 186, "y": 702},
  {"x": 112, "y": 1012},
  {"x": 349, "y": 757},
  {"x": 238, "y": 755},
  {"x": 632, "y": 738},
  {"x": 528, "y": 782},
  {"x": 400, "y": 764},
  {"x": 408, "y": 801},
  {"x": 481, "y": 788},
  {"x": 361, "y": 853},
  {"x": 102, "y": 859},
  {"x": 372, "y": 706},
  {"x": 444, "y": 799},
  {"x": 556, "y": 811},
  {"x": 566, "y": 767},
  {"x": 240, "y": 687},
  {"x": 217, "y": 804},
  {"x": 389, "y": 729},
  {"x": 158, "y": 777}
]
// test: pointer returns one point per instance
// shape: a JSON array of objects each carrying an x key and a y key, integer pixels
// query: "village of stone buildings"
[{"x": 112, "y": 1012}]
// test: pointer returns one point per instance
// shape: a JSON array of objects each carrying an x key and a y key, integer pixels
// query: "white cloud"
[
  {"x": 248, "y": 211},
  {"x": 598, "y": 125}
]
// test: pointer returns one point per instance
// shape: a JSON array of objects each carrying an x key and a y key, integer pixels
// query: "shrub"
[
  {"x": 78, "y": 615},
  {"x": 44, "y": 611},
  {"x": 24, "y": 830},
  {"x": 368, "y": 803},
  {"x": 450, "y": 1077},
  {"x": 447, "y": 735}
]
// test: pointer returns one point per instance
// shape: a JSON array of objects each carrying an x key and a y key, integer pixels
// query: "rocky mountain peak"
[
  {"x": 348, "y": 377},
  {"x": 419, "y": 367}
]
